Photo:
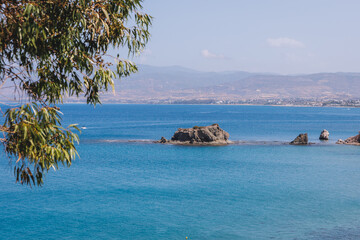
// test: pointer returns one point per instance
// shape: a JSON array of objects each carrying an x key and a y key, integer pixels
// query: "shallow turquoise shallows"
[{"x": 140, "y": 190}]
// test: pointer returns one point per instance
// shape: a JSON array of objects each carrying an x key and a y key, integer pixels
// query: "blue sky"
[{"x": 278, "y": 36}]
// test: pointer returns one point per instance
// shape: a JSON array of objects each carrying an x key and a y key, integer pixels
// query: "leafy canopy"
[{"x": 52, "y": 49}]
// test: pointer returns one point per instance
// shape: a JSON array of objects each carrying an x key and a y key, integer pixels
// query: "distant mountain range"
[
  {"x": 178, "y": 84},
  {"x": 167, "y": 84}
]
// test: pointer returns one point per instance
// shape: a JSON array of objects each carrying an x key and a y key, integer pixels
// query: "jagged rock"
[
  {"x": 163, "y": 140},
  {"x": 209, "y": 135},
  {"x": 324, "y": 135},
  {"x": 355, "y": 140},
  {"x": 302, "y": 139}
]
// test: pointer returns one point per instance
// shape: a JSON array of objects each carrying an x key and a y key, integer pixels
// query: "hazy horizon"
[{"x": 240, "y": 70}]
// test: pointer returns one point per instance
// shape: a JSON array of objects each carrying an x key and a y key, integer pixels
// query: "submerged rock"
[
  {"x": 355, "y": 140},
  {"x": 302, "y": 139},
  {"x": 324, "y": 135},
  {"x": 208, "y": 135}
]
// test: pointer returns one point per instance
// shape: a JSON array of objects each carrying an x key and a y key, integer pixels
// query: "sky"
[{"x": 269, "y": 36}]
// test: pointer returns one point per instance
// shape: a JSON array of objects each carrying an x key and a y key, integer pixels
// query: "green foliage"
[
  {"x": 56, "y": 48},
  {"x": 35, "y": 136},
  {"x": 52, "y": 49}
]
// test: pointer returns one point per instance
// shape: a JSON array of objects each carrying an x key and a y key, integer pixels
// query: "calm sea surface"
[{"x": 134, "y": 190}]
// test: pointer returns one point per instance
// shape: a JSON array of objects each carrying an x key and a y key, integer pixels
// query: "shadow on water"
[{"x": 336, "y": 233}]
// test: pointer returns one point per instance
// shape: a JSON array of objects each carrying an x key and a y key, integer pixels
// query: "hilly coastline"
[
  {"x": 179, "y": 85},
  {"x": 183, "y": 85}
]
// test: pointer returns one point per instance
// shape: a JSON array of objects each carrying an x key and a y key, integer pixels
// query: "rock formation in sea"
[
  {"x": 302, "y": 139},
  {"x": 208, "y": 135},
  {"x": 355, "y": 140},
  {"x": 324, "y": 135},
  {"x": 163, "y": 140}
]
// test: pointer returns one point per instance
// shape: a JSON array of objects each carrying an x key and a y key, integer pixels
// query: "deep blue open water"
[{"x": 134, "y": 190}]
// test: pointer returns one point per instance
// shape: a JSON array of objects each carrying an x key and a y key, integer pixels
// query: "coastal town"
[{"x": 315, "y": 102}]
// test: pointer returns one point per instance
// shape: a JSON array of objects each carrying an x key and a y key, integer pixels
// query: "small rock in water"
[
  {"x": 302, "y": 139},
  {"x": 355, "y": 140},
  {"x": 324, "y": 135},
  {"x": 163, "y": 140}
]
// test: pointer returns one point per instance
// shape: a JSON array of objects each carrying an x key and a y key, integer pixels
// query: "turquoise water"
[{"x": 122, "y": 190}]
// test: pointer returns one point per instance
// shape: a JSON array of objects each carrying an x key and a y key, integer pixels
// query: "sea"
[{"x": 124, "y": 186}]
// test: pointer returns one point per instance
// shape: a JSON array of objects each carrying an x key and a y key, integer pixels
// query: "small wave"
[
  {"x": 126, "y": 140},
  {"x": 205, "y": 112},
  {"x": 243, "y": 142},
  {"x": 117, "y": 141}
]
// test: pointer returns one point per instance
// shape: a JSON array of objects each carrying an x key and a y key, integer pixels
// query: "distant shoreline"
[
  {"x": 201, "y": 104},
  {"x": 209, "y": 104}
]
